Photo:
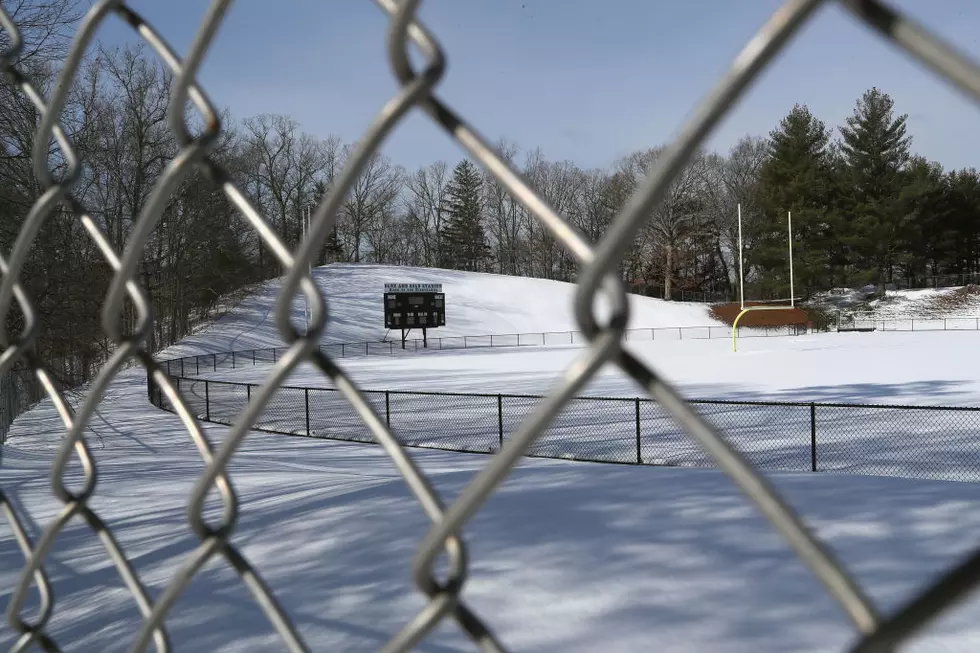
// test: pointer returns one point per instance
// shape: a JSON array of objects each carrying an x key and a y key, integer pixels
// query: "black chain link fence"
[
  {"x": 196, "y": 365},
  {"x": 909, "y": 441}
]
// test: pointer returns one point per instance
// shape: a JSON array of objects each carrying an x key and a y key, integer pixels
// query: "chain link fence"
[
  {"x": 19, "y": 391},
  {"x": 197, "y": 364},
  {"x": 929, "y": 442},
  {"x": 417, "y": 90}
]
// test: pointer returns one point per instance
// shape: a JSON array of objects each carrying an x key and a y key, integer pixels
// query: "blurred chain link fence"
[{"x": 598, "y": 262}]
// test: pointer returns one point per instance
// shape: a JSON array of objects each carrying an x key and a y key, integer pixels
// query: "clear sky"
[{"x": 585, "y": 80}]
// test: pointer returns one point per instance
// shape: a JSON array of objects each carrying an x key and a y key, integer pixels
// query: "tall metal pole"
[
  {"x": 789, "y": 218},
  {"x": 741, "y": 274},
  {"x": 306, "y": 300}
]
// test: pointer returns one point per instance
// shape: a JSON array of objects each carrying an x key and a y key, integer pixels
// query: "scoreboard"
[{"x": 414, "y": 306}]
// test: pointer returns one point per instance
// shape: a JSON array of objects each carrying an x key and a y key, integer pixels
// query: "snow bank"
[{"x": 476, "y": 304}]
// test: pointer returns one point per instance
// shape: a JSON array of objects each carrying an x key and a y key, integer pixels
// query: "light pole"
[{"x": 307, "y": 216}]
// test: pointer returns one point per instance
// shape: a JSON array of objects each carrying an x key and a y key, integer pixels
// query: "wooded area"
[{"x": 865, "y": 208}]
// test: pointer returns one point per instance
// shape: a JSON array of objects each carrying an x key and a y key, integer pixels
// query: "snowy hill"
[
  {"x": 936, "y": 303},
  {"x": 476, "y": 304}
]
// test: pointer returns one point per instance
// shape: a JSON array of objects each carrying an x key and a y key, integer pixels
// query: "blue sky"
[{"x": 584, "y": 80}]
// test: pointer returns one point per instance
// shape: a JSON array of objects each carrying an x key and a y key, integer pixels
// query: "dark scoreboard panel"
[{"x": 414, "y": 306}]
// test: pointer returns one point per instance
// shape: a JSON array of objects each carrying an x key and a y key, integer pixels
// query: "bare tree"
[
  {"x": 46, "y": 28},
  {"x": 680, "y": 215},
  {"x": 372, "y": 195},
  {"x": 732, "y": 181},
  {"x": 425, "y": 207},
  {"x": 504, "y": 216}
]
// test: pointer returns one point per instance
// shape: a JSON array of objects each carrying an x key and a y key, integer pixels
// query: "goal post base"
[{"x": 748, "y": 309}]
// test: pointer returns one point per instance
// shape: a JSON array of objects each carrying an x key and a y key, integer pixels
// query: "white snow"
[
  {"x": 922, "y": 303},
  {"x": 476, "y": 304},
  {"x": 565, "y": 555},
  {"x": 929, "y": 368}
]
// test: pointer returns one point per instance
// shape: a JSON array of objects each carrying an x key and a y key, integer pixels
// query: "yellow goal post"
[{"x": 741, "y": 278}]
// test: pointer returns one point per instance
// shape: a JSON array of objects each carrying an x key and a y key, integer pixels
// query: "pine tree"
[
  {"x": 876, "y": 150},
  {"x": 464, "y": 243},
  {"x": 798, "y": 177}
]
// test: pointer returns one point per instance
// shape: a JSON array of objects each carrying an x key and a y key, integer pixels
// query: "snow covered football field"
[{"x": 565, "y": 556}]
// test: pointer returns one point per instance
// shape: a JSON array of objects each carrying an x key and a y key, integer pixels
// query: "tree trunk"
[{"x": 669, "y": 272}]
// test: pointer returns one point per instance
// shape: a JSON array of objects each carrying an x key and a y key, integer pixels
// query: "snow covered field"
[
  {"x": 929, "y": 368},
  {"x": 852, "y": 368},
  {"x": 565, "y": 556}
]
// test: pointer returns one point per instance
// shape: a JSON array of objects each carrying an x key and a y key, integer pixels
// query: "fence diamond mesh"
[
  {"x": 604, "y": 340},
  {"x": 929, "y": 442}
]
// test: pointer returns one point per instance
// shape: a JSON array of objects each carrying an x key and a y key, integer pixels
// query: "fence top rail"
[{"x": 596, "y": 398}]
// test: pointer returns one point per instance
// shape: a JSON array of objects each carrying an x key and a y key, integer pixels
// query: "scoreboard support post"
[{"x": 425, "y": 337}]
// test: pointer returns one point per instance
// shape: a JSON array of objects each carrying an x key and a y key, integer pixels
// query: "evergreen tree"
[
  {"x": 926, "y": 203},
  {"x": 464, "y": 242},
  {"x": 797, "y": 176},
  {"x": 876, "y": 150},
  {"x": 962, "y": 224}
]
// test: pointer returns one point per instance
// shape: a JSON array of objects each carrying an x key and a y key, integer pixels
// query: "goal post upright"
[
  {"x": 789, "y": 225},
  {"x": 741, "y": 277},
  {"x": 741, "y": 258}
]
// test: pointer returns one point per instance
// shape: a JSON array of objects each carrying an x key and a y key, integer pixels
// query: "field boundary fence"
[
  {"x": 934, "y": 442},
  {"x": 913, "y": 323},
  {"x": 264, "y": 355},
  {"x": 19, "y": 391},
  {"x": 193, "y": 364}
]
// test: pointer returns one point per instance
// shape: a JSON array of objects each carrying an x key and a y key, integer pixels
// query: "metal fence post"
[
  {"x": 387, "y": 408},
  {"x": 197, "y": 363},
  {"x": 680, "y": 334},
  {"x": 214, "y": 361},
  {"x": 253, "y": 358},
  {"x": 306, "y": 398},
  {"x": 639, "y": 454},
  {"x": 248, "y": 393},
  {"x": 500, "y": 420},
  {"x": 813, "y": 437},
  {"x": 232, "y": 360},
  {"x": 207, "y": 401}
]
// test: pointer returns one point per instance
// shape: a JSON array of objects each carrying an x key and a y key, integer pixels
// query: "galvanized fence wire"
[
  {"x": 199, "y": 364},
  {"x": 598, "y": 262},
  {"x": 928, "y": 442}
]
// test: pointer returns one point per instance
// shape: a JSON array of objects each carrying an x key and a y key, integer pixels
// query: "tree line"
[{"x": 865, "y": 208}]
